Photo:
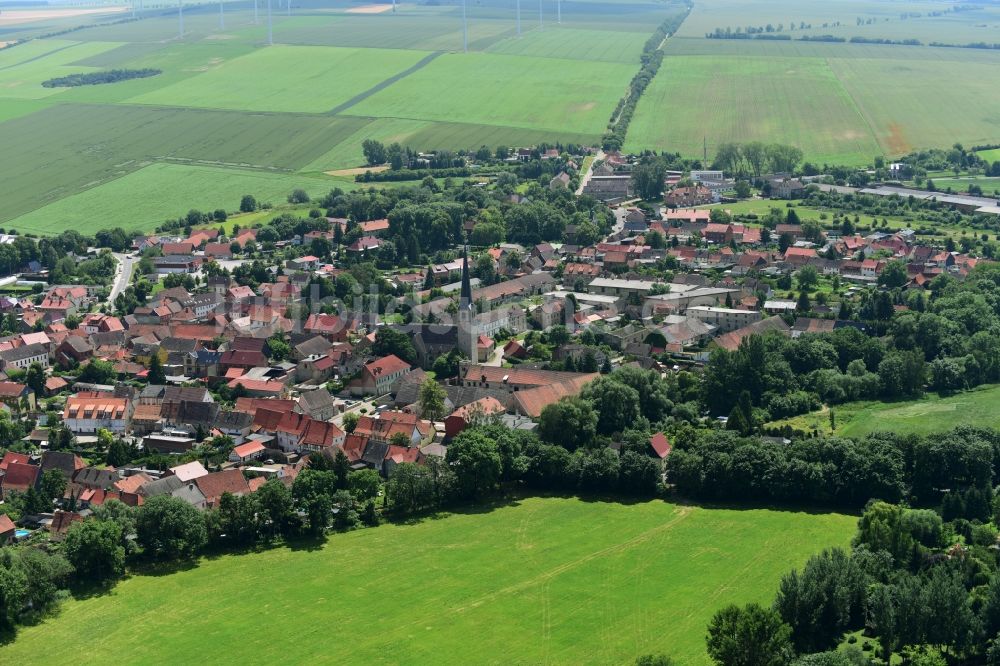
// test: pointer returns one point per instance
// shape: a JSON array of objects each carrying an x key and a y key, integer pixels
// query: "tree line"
[
  {"x": 651, "y": 59},
  {"x": 951, "y": 471}
]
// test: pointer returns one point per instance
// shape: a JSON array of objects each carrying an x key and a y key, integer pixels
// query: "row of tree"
[{"x": 952, "y": 470}]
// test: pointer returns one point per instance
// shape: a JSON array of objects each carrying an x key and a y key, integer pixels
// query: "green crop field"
[
  {"x": 929, "y": 414},
  {"x": 839, "y": 102},
  {"x": 513, "y": 91},
  {"x": 23, "y": 79},
  {"x": 575, "y": 44},
  {"x": 64, "y": 149},
  {"x": 145, "y": 198},
  {"x": 287, "y": 78},
  {"x": 797, "y": 101},
  {"x": 556, "y": 581}
]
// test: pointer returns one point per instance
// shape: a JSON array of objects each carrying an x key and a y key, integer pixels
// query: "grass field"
[
  {"x": 308, "y": 79},
  {"x": 549, "y": 581},
  {"x": 989, "y": 184},
  {"x": 512, "y": 91},
  {"x": 929, "y": 414},
  {"x": 991, "y": 155},
  {"x": 145, "y": 198}
]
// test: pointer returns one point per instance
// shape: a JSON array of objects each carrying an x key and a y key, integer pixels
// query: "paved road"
[
  {"x": 590, "y": 170},
  {"x": 123, "y": 276}
]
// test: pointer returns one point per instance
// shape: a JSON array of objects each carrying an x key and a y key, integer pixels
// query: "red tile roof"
[
  {"x": 660, "y": 444},
  {"x": 212, "y": 486},
  {"x": 387, "y": 365},
  {"x": 13, "y": 457},
  {"x": 6, "y": 524},
  {"x": 19, "y": 476}
]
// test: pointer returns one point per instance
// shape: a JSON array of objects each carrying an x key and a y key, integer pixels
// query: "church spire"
[{"x": 465, "y": 300}]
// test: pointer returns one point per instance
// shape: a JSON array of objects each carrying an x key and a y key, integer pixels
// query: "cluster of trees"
[
  {"x": 652, "y": 57},
  {"x": 96, "y": 78},
  {"x": 400, "y": 157},
  {"x": 917, "y": 585},
  {"x": 427, "y": 221},
  {"x": 952, "y": 471},
  {"x": 487, "y": 455},
  {"x": 754, "y": 159},
  {"x": 949, "y": 346}
]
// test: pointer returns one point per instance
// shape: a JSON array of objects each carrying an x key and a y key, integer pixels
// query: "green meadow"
[
  {"x": 992, "y": 155},
  {"x": 929, "y": 414},
  {"x": 545, "y": 580}
]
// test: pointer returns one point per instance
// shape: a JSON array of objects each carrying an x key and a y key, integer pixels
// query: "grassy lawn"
[
  {"x": 145, "y": 198},
  {"x": 549, "y": 580},
  {"x": 286, "y": 78},
  {"x": 513, "y": 91},
  {"x": 929, "y": 414}
]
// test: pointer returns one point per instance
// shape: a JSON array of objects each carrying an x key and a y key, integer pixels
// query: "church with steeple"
[{"x": 468, "y": 333}]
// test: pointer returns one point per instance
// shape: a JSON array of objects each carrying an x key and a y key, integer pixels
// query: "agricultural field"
[
  {"x": 839, "y": 102},
  {"x": 303, "y": 79},
  {"x": 929, "y": 414},
  {"x": 797, "y": 101},
  {"x": 65, "y": 149},
  {"x": 561, "y": 581},
  {"x": 509, "y": 91},
  {"x": 575, "y": 44},
  {"x": 335, "y": 77},
  {"x": 164, "y": 191}
]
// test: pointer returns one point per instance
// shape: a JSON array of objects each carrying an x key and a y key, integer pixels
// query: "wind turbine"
[
  {"x": 255, "y": 20},
  {"x": 222, "y": 17},
  {"x": 558, "y": 11},
  {"x": 393, "y": 6},
  {"x": 288, "y": 7},
  {"x": 180, "y": 18},
  {"x": 270, "y": 31},
  {"x": 541, "y": 24},
  {"x": 518, "y": 18},
  {"x": 465, "y": 30}
]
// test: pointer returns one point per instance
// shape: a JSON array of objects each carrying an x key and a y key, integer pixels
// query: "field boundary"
[{"x": 382, "y": 85}]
